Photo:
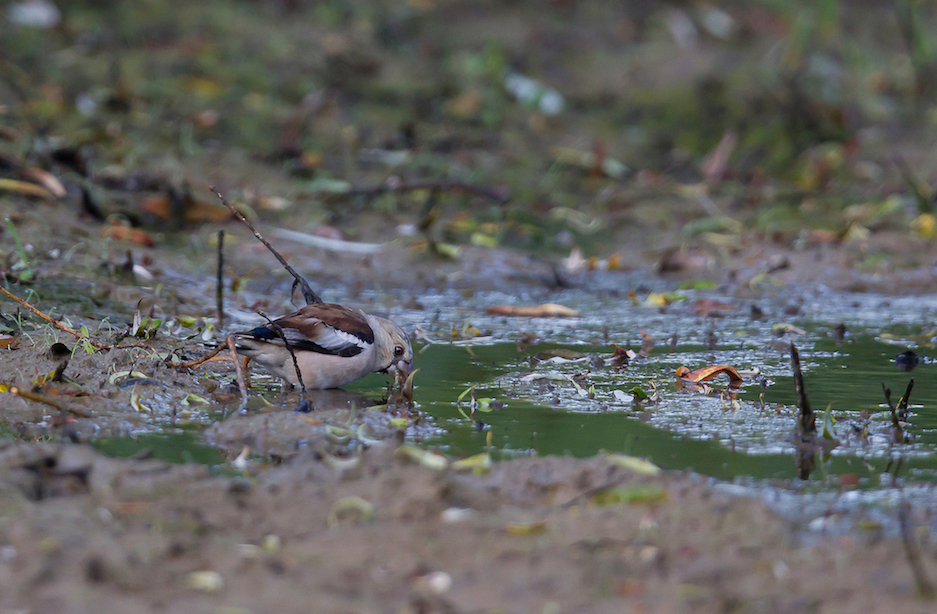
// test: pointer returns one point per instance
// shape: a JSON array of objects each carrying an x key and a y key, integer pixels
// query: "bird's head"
[{"x": 394, "y": 346}]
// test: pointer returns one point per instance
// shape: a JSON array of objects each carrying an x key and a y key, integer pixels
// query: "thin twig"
[
  {"x": 191, "y": 364},
  {"x": 242, "y": 384},
  {"x": 219, "y": 287},
  {"x": 807, "y": 421},
  {"x": 903, "y": 402},
  {"x": 58, "y": 325},
  {"x": 898, "y": 434},
  {"x": 308, "y": 294},
  {"x": 304, "y": 405},
  {"x": 455, "y": 186},
  {"x": 39, "y": 398}
]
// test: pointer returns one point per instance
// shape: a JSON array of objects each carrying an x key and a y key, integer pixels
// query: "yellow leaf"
[{"x": 925, "y": 226}]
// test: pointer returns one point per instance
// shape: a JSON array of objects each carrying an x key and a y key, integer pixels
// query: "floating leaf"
[
  {"x": 560, "y": 354},
  {"x": 546, "y": 310},
  {"x": 784, "y": 328},
  {"x": 707, "y": 307},
  {"x": 638, "y": 393},
  {"x": 697, "y": 284},
  {"x": 828, "y": 421},
  {"x": 707, "y": 373},
  {"x": 656, "y": 299}
]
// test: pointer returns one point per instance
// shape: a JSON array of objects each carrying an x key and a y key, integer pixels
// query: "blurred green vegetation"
[{"x": 811, "y": 101}]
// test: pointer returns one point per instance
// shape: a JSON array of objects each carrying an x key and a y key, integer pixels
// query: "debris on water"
[
  {"x": 708, "y": 373},
  {"x": 906, "y": 361},
  {"x": 560, "y": 355}
]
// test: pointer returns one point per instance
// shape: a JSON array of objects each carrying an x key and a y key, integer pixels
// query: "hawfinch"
[{"x": 333, "y": 345}]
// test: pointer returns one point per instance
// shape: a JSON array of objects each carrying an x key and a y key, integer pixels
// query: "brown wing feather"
[{"x": 307, "y": 319}]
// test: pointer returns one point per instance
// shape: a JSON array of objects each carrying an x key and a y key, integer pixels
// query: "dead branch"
[
  {"x": 219, "y": 287},
  {"x": 308, "y": 294},
  {"x": 903, "y": 402},
  {"x": 55, "y": 323},
  {"x": 39, "y": 398},
  {"x": 898, "y": 434},
  {"x": 806, "y": 421}
]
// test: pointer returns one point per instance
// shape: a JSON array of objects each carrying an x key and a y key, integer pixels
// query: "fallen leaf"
[
  {"x": 633, "y": 463},
  {"x": 7, "y": 342},
  {"x": 526, "y": 528},
  {"x": 192, "y": 210},
  {"x": 707, "y": 373},
  {"x": 205, "y": 581},
  {"x": 546, "y": 310},
  {"x": 561, "y": 354},
  {"x": 126, "y": 232},
  {"x": 24, "y": 187},
  {"x": 46, "y": 179},
  {"x": 707, "y": 307},
  {"x": 638, "y": 493}
]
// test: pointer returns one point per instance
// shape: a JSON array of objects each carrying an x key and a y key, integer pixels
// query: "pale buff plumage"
[{"x": 333, "y": 345}]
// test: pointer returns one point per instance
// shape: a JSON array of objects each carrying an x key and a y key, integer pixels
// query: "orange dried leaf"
[
  {"x": 546, "y": 310},
  {"x": 7, "y": 342},
  {"x": 157, "y": 205},
  {"x": 130, "y": 234},
  {"x": 194, "y": 211},
  {"x": 707, "y": 373},
  {"x": 706, "y": 307}
]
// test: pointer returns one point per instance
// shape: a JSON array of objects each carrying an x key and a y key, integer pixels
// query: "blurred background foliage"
[{"x": 583, "y": 115}]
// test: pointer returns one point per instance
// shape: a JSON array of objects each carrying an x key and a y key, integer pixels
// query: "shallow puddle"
[{"x": 533, "y": 406}]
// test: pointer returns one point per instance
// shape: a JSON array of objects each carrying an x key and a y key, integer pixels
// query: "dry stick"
[
  {"x": 32, "y": 396},
  {"x": 58, "y": 325},
  {"x": 289, "y": 348},
  {"x": 429, "y": 185},
  {"x": 903, "y": 401},
  {"x": 242, "y": 385},
  {"x": 219, "y": 289},
  {"x": 898, "y": 434},
  {"x": 308, "y": 294},
  {"x": 924, "y": 587},
  {"x": 200, "y": 361},
  {"x": 806, "y": 421}
]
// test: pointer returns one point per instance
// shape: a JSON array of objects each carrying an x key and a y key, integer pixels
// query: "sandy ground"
[{"x": 80, "y": 532}]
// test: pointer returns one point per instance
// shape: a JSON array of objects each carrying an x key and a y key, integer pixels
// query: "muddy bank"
[{"x": 81, "y": 532}]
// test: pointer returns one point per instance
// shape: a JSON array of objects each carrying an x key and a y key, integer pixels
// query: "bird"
[{"x": 334, "y": 345}]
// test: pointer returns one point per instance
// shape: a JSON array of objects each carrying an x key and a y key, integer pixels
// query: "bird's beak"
[{"x": 402, "y": 367}]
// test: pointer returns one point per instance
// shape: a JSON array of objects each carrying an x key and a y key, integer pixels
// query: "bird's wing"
[{"x": 322, "y": 328}]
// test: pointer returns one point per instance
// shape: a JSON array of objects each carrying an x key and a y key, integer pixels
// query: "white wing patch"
[{"x": 336, "y": 340}]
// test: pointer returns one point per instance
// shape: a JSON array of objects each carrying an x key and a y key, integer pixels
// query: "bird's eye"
[{"x": 398, "y": 350}]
